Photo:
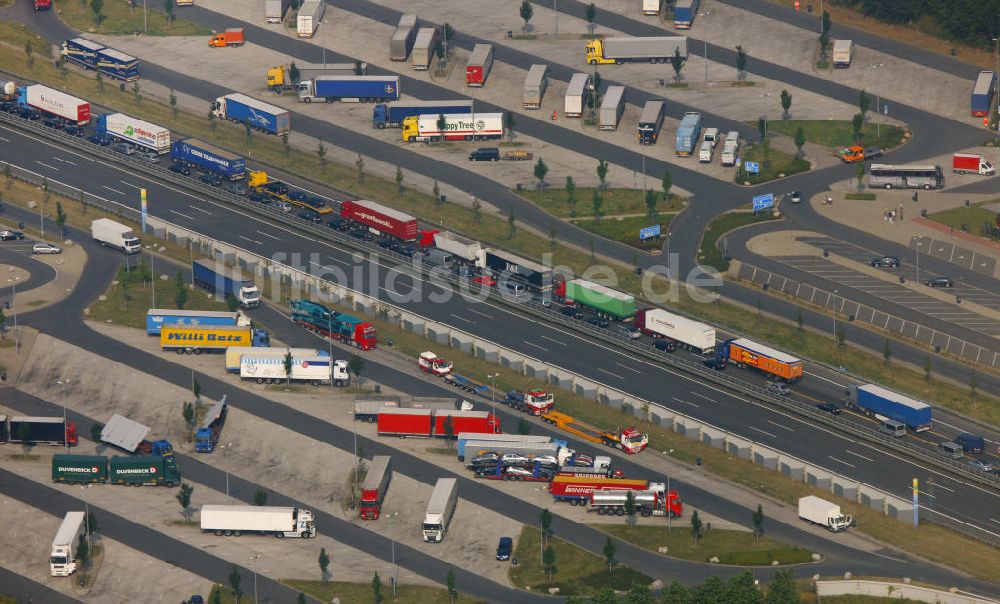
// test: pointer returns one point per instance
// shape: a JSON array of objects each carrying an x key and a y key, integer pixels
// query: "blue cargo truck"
[
  {"x": 81, "y": 52},
  {"x": 688, "y": 132},
  {"x": 684, "y": 13},
  {"x": 157, "y": 318},
  {"x": 199, "y": 154},
  {"x": 364, "y": 89},
  {"x": 872, "y": 400},
  {"x": 225, "y": 281},
  {"x": 391, "y": 115},
  {"x": 117, "y": 65},
  {"x": 982, "y": 93},
  {"x": 261, "y": 116}
]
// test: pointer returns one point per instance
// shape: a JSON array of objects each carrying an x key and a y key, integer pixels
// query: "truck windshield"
[
  {"x": 637, "y": 439},
  {"x": 58, "y": 560},
  {"x": 432, "y": 528}
]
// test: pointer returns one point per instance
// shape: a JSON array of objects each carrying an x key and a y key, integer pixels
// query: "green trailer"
[
  {"x": 604, "y": 300},
  {"x": 150, "y": 470},
  {"x": 79, "y": 469}
]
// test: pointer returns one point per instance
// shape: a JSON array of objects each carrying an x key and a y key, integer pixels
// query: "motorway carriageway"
[{"x": 754, "y": 421}]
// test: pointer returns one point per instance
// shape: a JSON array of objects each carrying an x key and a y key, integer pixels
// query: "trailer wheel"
[
  {"x": 307, "y": 100},
  {"x": 646, "y": 512},
  {"x": 259, "y": 380},
  {"x": 227, "y": 533},
  {"x": 237, "y": 533},
  {"x": 619, "y": 511},
  {"x": 279, "y": 535},
  {"x": 179, "y": 351},
  {"x": 602, "y": 511},
  {"x": 218, "y": 532},
  {"x": 371, "y": 420},
  {"x": 315, "y": 382},
  {"x": 197, "y": 351}
]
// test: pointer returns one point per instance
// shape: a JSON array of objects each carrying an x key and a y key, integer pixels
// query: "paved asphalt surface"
[
  {"x": 540, "y": 340},
  {"x": 62, "y": 320},
  {"x": 26, "y": 590}
]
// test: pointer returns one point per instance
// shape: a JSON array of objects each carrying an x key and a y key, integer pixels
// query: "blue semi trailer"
[
  {"x": 365, "y": 89},
  {"x": 391, "y": 115},
  {"x": 157, "y": 318},
  {"x": 107, "y": 61},
  {"x": 261, "y": 116},
  {"x": 225, "y": 281},
  {"x": 200, "y": 154},
  {"x": 874, "y": 400}
]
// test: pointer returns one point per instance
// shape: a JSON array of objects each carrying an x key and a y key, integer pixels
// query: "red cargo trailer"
[
  {"x": 578, "y": 489},
  {"x": 479, "y": 422},
  {"x": 49, "y": 100},
  {"x": 380, "y": 218},
  {"x": 405, "y": 422},
  {"x": 375, "y": 485},
  {"x": 480, "y": 62}
]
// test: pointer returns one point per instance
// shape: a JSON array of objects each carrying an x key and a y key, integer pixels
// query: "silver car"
[
  {"x": 981, "y": 465},
  {"x": 45, "y": 248}
]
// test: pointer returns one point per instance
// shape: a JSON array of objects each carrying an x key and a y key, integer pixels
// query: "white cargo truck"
[
  {"x": 612, "y": 107},
  {"x": 535, "y": 84},
  {"x": 62, "y": 558},
  {"x": 843, "y": 52},
  {"x": 705, "y": 152},
  {"x": 689, "y": 334},
  {"x": 234, "y": 520},
  {"x": 466, "y": 250},
  {"x": 440, "y": 509},
  {"x": 309, "y": 18},
  {"x": 576, "y": 95},
  {"x": 131, "y": 130},
  {"x": 651, "y": 7},
  {"x": 402, "y": 39},
  {"x": 423, "y": 48},
  {"x": 731, "y": 149},
  {"x": 269, "y": 368},
  {"x": 822, "y": 512},
  {"x": 109, "y": 233},
  {"x": 274, "y": 10}
]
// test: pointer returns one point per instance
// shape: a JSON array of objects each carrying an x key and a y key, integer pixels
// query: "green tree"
[
  {"x": 196, "y": 389},
  {"x": 758, "y": 522},
  {"x": 359, "y": 165},
  {"x": 83, "y": 551},
  {"x": 173, "y": 101},
  {"x": 452, "y": 589},
  {"x": 630, "y": 518},
  {"x": 824, "y": 46},
  {"x": 511, "y": 222},
  {"x": 377, "y": 588},
  {"x": 825, "y": 20},
  {"x": 666, "y": 183},
  {"x": 187, "y": 411},
  {"x": 762, "y": 127},
  {"x": 477, "y": 210},
  {"x": 293, "y": 73},
  {"x": 29, "y": 54},
  {"x": 211, "y": 121},
  {"x": 651, "y": 205},
  {"x": 786, "y": 104},
  {"x": 442, "y": 125},
  {"x": 181, "y": 291},
  {"x": 590, "y": 13},
  {"x": 595, "y": 96},
  {"x": 96, "y": 6},
  {"x": 864, "y": 103},
  {"x": 695, "y": 526},
  {"x": 234, "y": 581},
  {"x": 357, "y": 366},
  {"x": 677, "y": 62},
  {"x": 399, "y": 181},
  {"x": 216, "y": 597},
  {"x": 549, "y": 562},
  {"x": 287, "y": 362},
  {"x": 508, "y": 124},
  {"x": 183, "y": 497},
  {"x": 713, "y": 589},
  {"x": 527, "y": 11},
  {"x": 675, "y": 593},
  {"x": 231, "y": 302},
  {"x": 540, "y": 171},
  {"x": 858, "y": 123},
  {"x": 95, "y": 431},
  {"x": 449, "y": 431},
  {"x": 552, "y": 238},
  {"x": 437, "y": 191},
  {"x": 782, "y": 588},
  {"x": 605, "y": 595},
  {"x": 523, "y": 427},
  {"x": 247, "y": 135},
  {"x": 571, "y": 196},
  {"x": 545, "y": 521},
  {"x": 168, "y": 7},
  {"x": 324, "y": 564},
  {"x": 610, "y": 549},
  {"x": 841, "y": 337},
  {"x": 639, "y": 594},
  {"x": 602, "y": 173},
  {"x": 597, "y": 200},
  {"x": 61, "y": 218},
  {"x": 99, "y": 81},
  {"x": 321, "y": 154},
  {"x": 299, "y": 600},
  {"x": 741, "y": 63},
  {"x": 260, "y": 497},
  {"x": 742, "y": 589},
  {"x": 137, "y": 93},
  {"x": 799, "y": 319},
  {"x": 973, "y": 385},
  {"x": 800, "y": 140},
  {"x": 887, "y": 352}
]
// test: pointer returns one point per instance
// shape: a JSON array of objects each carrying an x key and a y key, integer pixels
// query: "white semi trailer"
[
  {"x": 62, "y": 559},
  {"x": 235, "y": 520}
]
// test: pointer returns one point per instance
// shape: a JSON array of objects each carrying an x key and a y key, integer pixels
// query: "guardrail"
[{"x": 535, "y": 308}]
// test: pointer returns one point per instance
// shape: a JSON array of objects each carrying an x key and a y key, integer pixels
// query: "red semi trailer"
[
  {"x": 397, "y": 421},
  {"x": 375, "y": 485},
  {"x": 480, "y": 62},
  {"x": 381, "y": 218}
]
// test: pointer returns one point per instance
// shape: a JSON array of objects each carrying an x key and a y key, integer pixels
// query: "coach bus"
[{"x": 905, "y": 177}]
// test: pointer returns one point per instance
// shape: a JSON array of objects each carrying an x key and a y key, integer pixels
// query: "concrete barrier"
[{"x": 900, "y": 590}]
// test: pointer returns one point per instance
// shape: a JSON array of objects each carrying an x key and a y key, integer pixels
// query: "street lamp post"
[
  {"x": 253, "y": 561},
  {"x": 13, "y": 306},
  {"x": 493, "y": 393},
  {"x": 878, "y": 102},
  {"x": 833, "y": 307},
  {"x": 225, "y": 458}
]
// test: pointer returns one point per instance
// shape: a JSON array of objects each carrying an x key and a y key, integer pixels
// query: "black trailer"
[{"x": 505, "y": 265}]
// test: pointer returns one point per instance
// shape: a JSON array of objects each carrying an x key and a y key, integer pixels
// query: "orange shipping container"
[{"x": 745, "y": 352}]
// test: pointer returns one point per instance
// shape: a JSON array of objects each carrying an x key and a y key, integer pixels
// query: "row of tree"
[{"x": 974, "y": 22}]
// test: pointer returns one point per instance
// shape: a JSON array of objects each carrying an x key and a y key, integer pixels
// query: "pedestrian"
[
  {"x": 915, "y": 196},
  {"x": 900, "y": 213}
]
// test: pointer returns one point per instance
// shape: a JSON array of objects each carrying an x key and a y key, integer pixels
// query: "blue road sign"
[
  {"x": 751, "y": 166},
  {"x": 649, "y": 232},
  {"x": 763, "y": 202}
]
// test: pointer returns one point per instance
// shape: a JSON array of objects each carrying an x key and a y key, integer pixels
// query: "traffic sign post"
[
  {"x": 752, "y": 167},
  {"x": 649, "y": 232},
  {"x": 763, "y": 202}
]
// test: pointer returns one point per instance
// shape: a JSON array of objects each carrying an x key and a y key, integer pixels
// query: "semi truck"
[
  {"x": 235, "y": 353},
  {"x": 872, "y": 400},
  {"x": 42, "y": 4},
  {"x": 374, "y": 487},
  {"x": 62, "y": 556},
  {"x": 232, "y": 36},
  {"x": 403, "y": 38},
  {"x": 467, "y": 251},
  {"x": 659, "y": 49},
  {"x": 604, "y": 301},
  {"x": 109, "y": 233},
  {"x": 747, "y": 353},
  {"x": 235, "y": 520},
  {"x": 316, "y": 370},
  {"x": 138, "y": 132},
  {"x": 199, "y": 154},
  {"x": 440, "y": 509},
  {"x": 651, "y": 121},
  {"x": 819, "y": 511},
  {"x": 130, "y": 471},
  {"x": 331, "y": 324},
  {"x": 684, "y": 13},
  {"x": 380, "y": 218},
  {"x": 612, "y": 107},
  {"x": 457, "y": 126},
  {"x": 391, "y": 115},
  {"x": 52, "y": 102},
  {"x": 428, "y": 362},
  {"x": 207, "y": 436},
  {"x": 982, "y": 93},
  {"x": 535, "y": 84},
  {"x": 156, "y": 318},
  {"x": 651, "y": 502},
  {"x": 38, "y": 431},
  {"x": 843, "y": 52},
  {"x": 532, "y": 402},
  {"x": 279, "y": 78},
  {"x": 966, "y": 163},
  {"x": 576, "y": 95},
  {"x": 630, "y": 440},
  {"x": 479, "y": 65},
  {"x": 309, "y": 17},
  {"x": 501, "y": 440},
  {"x": 426, "y": 423},
  {"x": 225, "y": 281},
  {"x": 358, "y": 89},
  {"x": 196, "y": 340},
  {"x": 688, "y": 134},
  {"x": 422, "y": 52},
  {"x": 508, "y": 266},
  {"x": 274, "y": 10},
  {"x": 689, "y": 334},
  {"x": 238, "y": 107},
  {"x": 81, "y": 52},
  {"x": 577, "y": 490}
]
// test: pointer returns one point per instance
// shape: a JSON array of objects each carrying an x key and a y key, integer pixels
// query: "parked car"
[
  {"x": 485, "y": 459},
  {"x": 74, "y": 130},
  {"x": 583, "y": 461},
  {"x": 485, "y": 280},
  {"x": 45, "y": 248},
  {"x": 571, "y": 311},
  {"x": 885, "y": 262},
  {"x": 514, "y": 459},
  {"x": 505, "y": 548},
  {"x": 7, "y": 235},
  {"x": 832, "y": 408},
  {"x": 388, "y": 243},
  {"x": 485, "y": 154},
  {"x": 361, "y": 233},
  {"x": 546, "y": 460},
  {"x": 53, "y": 122},
  {"x": 259, "y": 198},
  {"x": 316, "y": 202},
  {"x": 517, "y": 473},
  {"x": 598, "y": 322},
  {"x": 980, "y": 464},
  {"x": 665, "y": 345},
  {"x": 180, "y": 168},
  {"x": 210, "y": 179},
  {"x": 284, "y": 206},
  {"x": 236, "y": 188},
  {"x": 297, "y": 196},
  {"x": 30, "y": 114},
  {"x": 939, "y": 282},
  {"x": 715, "y": 363},
  {"x": 99, "y": 139},
  {"x": 124, "y": 149}
]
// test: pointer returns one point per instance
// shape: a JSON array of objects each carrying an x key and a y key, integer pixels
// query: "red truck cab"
[{"x": 43, "y": 4}]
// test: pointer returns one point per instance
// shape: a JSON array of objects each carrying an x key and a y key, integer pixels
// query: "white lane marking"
[
  {"x": 269, "y": 235},
  {"x": 251, "y": 240},
  {"x": 994, "y": 520},
  {"x": 128, "y": 184},
  {"x": 939, "y": 486},
  {"x": 4, "y": 139},
  {"x": 200, "y": 210},
  {"x": 686, "y": 402},
  {"x": 554, "y": 340},
  {"x": 47, "y": 165},
  {"x": 469, "y": 321},
  {"x": 534, "y": 345},
  {"x": 756, "y": 429},
  {"x": 473, "y": 310},
  {"x": 609, "y": 373},
  {"x": 858, "y": 455},
  {"x": 65, "y": 161},
  {"x": 841, "y": 461},
  {"x": 115, "y": 190},
  {"x": 783, "y": 427},
  {"x": 693, "y": 393},
  {"x": 628, "y": 368},
  {"x": 179, "y": 214}
]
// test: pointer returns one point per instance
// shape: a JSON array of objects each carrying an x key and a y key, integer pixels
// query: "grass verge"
[
  {"x": 774, "y": 164},
  {"x": 974, "y": 216},
  {"x": 837, "y": 134},
  {"x": 118, "y": 19},
  {"x": 362, "y": 593},
  {"x": 577, "y": 571},
  {"x": 730, "y": 547},
  {"x": 626, "y": 230},
  {"x": 616, "y": 201},
  {"x": 861, "y": 196},
  {"x": 709, "y": 254}
]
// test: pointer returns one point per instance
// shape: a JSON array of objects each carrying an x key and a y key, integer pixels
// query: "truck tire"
[
  {"x": 371, "y": 420},
  {"x": 227, "y": 533},
  {"x": 237, "y": 533},
  {"x": 602, "y": 512},
  {"x": 279, "y": 535},
  {"x": 307, "y": 100},
  {"x": 619, "y": 511},
  {"x": 259, "y": 380},
  {"x": 179, "y": 351},
  {"x": 218, "y": 532},
  {"x": 196, "y": 351}
]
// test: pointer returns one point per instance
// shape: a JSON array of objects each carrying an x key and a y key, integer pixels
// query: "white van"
[
  {"x": 711, "y": 136},
  {"x": 891, "y": 427},
  {"x": 109, "y": 233},
  {"x": 705, "y": 153}
]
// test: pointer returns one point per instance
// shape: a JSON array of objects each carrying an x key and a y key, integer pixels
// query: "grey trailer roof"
[
  {"x": 651, "y": 112},
  {"x": 983, "y": 83},
  {"x": 214, "y": 412},
  {"x": 407, "y": 20},
  {"x": 424, "y": 37},
  {"x": 88, "y": 44},
  {"x": 391, "y": 212},
  {"x": 123, "y": 432},
  {"x": 613, "y": 97},
  {"x": 536, "y": 75},
  {"x": 116, "y": 54},
  {"x": 479, "y": 53},
  {"x": 577, "y": 84}
]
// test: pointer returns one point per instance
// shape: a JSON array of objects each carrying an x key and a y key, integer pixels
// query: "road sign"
[
  {"x": 763, "y": 202},
  {"x": 649, "y": 232},
  {"x": 751, "y": 166}
]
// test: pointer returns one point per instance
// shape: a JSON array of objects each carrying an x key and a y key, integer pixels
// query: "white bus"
[{"x": 905, "y": 177}]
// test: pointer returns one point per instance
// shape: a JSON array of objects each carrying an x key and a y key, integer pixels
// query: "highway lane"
[
  {"x": 731, "y": 413},
  {"x": 27, "y": 590}
]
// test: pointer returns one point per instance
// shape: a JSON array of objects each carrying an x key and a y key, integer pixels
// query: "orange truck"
[
  {"x": 231, "y": 37},
  {"x": 856, "y": 153},
  {"x": 747, "y": 353}
]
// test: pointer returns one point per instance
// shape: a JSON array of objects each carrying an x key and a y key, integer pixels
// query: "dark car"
[
  {"x": 885, "y": 262},
  {"x": 715, "y": 363},
  {"x": 316, "y": 202},
  {"x": 939, "y": 282},
  {"x": 310, "y": 216},
  {"x": 53, "y": 122},
  {"x": 485, "y": 154},
  {"x": 389, "y": 244},
  {"x": 571, "y": 311},
  {"x": 362, "y": 233},
  {"x": 407, "y": 250},
  {"x": 665, "y": 345},
  {"x": 236, "y": 188},
  {"x": 795, "y": 197},
  {"x": 100, "y": 139},
  {"x": 874, "y": 152},
  {"x": 277, "y": 187},
  {"x": 11, "y": 235},
  {"x": 829, "y": 408},
  {"x": 259, "y": 198},
  {"x": 598, "y": 322},
  {"x": 74, "y": 130},
  {"x": 30, "y": 114},
  {"x": 210, "y": 179},
  {"x": 335, "y": 223},
  {"x": 297, "y": 196},
  {"x": 180, "y": 169}
]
